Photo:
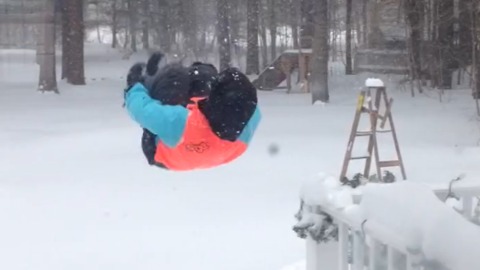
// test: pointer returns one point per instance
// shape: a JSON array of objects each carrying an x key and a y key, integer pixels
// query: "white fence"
[{"x": 374, "y": 246}]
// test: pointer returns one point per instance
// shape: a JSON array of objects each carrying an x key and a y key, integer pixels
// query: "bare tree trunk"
[
  {"x": 414, "y": 12},
  {"x": 307, "y": 26},
  {"x": 319, "y": 63},
  {"x": 189, "y": 26},
  {"x": 273, "y": 28},
  {"x": 465, "y": 32},
  {"x": 223, "y": 34},
  {"x": 236, "y": 19},
  {"x": 348, "y": 39},
  {"x": 445, "y": 42},
  {"x": 114, "y": 24},
  {"x": 74, "y": 55},
  {"x": 374, "y": 33},
  {"x": 333, "y": 26},
  {"x": 162, "y": 25},
  {"x": 364, "y": 22},
  {"x": 46, "y": 54},
  {"x": 66, "y": 40},
  {"x": 263, "y": 35},
  {"x": 145, "y": 24},
  {"x": 475, "y": 23},
  {"x": 132, "y": 13},
  {"x": 294, "y": 22},
  {"x": 252, "y": 37}
]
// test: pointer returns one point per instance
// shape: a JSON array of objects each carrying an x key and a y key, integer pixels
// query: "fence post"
[
  {"x": 343, "y": 246},
  {"x": 467, "y": 207},
  {"x": 358, "y": 251},
  {"x": 313, "y": 251}
]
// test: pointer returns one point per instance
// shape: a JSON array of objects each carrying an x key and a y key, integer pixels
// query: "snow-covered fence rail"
[
  {"x": 463, "y": 197},
  {"x": 399, "y": 226}
]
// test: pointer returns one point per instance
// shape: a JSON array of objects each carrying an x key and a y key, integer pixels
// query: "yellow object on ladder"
[{"x": 373, "y": 111}]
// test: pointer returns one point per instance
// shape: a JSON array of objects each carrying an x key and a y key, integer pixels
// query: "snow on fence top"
[
  {"x": 373, "y": 82},
  {"x": 410, "y": 211}
]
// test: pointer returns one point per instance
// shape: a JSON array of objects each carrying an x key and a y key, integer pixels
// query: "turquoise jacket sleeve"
[
  {"x": 249, "y": 130},
  {"x": 167, "y": 122}
]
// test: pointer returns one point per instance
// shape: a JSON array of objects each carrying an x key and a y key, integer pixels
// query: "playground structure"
[
  {"x": 282, "y": 68},
  {"x": 365, "y": 60}
]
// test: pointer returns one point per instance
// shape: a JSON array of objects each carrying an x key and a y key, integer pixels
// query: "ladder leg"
[
  {"x": 372, "y": 143},
  {"x": 377, "y": 158},
  {"x": 368, "y": 162},
  {"x": 395, "y": 140},
  {"x": 353, "y": 132},
  {"x": 378, "y": 98}
]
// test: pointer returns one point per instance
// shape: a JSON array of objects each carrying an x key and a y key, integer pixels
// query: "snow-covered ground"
[{"x": 76, "y": 193}]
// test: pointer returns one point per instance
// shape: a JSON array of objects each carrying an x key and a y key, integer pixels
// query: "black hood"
[{"x": 231, "y": 104}]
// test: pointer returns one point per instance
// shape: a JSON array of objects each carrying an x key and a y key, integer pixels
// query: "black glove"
[
  {"x": 136, "y": 74},
  {"x": 139, "y": 71}
]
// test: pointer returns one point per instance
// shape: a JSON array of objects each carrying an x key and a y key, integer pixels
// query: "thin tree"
[
  {"x": 445, "y": 43},
  {"x": 465, "y": 32},
  {"x": 263, "y": 33},
  {"x": 318, "y": 79},
  {"x": 414, "y": 12},
  {"x": 73, "y": 48},
  {"x": 253, "y": 61},
  {"x": 364, "y": 19},
  {"x": 114, "y": 23},
  {"x": 146, "y": 24},
  {"x": 294, "y": 11},
  {"x": 223, "y": 34},
  {"x": 475, "y": 15},
  {"x": 132, "y": 22},
  {"x": 348, "y": 39},
  {"x": 273, "y": 28},
  {"x": 66, "y": 40},
  {"x": 46, "y": 54},
  {"x": 307, "y": 22}
]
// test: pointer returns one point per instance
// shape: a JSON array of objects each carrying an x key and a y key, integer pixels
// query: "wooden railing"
[{"x": 373, "y": 246}]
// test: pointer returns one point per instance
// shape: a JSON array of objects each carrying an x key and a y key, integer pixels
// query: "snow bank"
[
  {"x": 326, "y": 190},
  {"x": 301, "y": 265}
]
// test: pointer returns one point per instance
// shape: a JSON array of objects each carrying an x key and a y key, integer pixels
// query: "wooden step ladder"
[{"x": 373, "y": 111}]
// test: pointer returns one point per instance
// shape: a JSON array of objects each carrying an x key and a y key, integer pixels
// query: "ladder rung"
[
  {"x": 360, "y": 157},
  {"x": 389, "y": 163},
  {"x": 364, "y": 133},
  {"x": 365, "y": 110},
  {"x": 368, "y": 133}
]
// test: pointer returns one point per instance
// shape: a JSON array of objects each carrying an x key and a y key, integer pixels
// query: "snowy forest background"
[{"x": 427, "y": 40}]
